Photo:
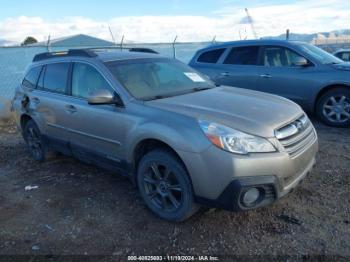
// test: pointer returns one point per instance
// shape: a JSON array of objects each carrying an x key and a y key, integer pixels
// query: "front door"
[
  {"x": 96, "y": 130},
  {"x": 279, "y": 75}
]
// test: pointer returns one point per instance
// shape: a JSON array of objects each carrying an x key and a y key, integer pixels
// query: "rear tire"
[
  {"x": 165, "y": 187},
  {"x": 333, "y": 107},
  {"x": 37, "y": 147}
]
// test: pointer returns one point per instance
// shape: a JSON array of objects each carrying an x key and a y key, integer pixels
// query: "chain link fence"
[{"x": 14, "y": 60}]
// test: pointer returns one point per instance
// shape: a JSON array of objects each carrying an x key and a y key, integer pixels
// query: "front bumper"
[
  {"x": 219, "y": 177},
  {"x": 231, "y": 198}
]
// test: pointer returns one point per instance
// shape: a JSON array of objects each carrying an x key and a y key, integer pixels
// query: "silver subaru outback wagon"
[{"x": 182, "y": 140}]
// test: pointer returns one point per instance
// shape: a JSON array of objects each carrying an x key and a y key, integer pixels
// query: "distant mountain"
[
  {"x": 309, "y": 37},
  {"x": 4, "y": 42}
]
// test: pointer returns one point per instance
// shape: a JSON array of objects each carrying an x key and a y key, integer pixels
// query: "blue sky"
[
  {"x": 161, "y": 20},
  {"x": 109, "y": 8}
]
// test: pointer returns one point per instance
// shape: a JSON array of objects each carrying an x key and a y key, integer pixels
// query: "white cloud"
[{"x": 300, "y": 17}]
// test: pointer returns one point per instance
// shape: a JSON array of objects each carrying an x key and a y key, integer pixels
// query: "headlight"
[{"x": 233, "y": 140}]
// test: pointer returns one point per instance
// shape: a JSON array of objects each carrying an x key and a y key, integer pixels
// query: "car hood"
[
  {"x": 342, "y": 66},
  {"x": 249, "y": 111}
]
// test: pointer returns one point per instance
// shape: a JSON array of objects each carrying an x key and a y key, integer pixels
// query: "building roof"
[{"x": 80, "y": 40}]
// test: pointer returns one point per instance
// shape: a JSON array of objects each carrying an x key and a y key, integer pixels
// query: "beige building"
[{"x": 321, "y": 39}]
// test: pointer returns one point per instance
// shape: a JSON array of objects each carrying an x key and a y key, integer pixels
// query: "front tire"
[
  {"x": 165, "y": 187},
  {"x": 333, "y": 107}
]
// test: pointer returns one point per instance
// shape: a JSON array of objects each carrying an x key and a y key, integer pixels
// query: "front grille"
[{"x": 296, "y": 136}]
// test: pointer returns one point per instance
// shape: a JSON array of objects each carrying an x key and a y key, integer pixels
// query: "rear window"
[
  {"x": 54, "y": 78},
  {"x": 211, "y": 56},
  {"x": 247, "y": 55},
  {"x": 31, "y": 78}
]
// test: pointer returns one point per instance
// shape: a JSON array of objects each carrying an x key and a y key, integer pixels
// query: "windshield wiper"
[
  {"x": 183, "y": 92},
  {"x": 149, "y": 98},
  {"x": 196, "y": 89}
]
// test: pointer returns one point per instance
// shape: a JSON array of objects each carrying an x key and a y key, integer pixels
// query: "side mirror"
[
  {"x": 104, "y": 97},
  {"x": 300, "y": 61}
]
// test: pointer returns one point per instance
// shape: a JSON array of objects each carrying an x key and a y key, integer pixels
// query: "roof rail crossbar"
[
  {"x": 70, "y": 52},
  {"x": 130, "y": 49}
]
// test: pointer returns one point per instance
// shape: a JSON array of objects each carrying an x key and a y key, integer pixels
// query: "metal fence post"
[{"x": 174, "y": 49}]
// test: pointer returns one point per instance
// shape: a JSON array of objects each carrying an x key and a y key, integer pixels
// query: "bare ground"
[{"x": 80, "y": 209}]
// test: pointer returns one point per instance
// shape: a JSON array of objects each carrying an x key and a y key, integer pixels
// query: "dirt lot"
[{"x": 80, "y": 209}]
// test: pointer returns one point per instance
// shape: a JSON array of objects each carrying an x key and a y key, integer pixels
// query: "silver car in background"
[
  {"x": 343, "y": 54},
  {"x": 303, "y": 73},
  {"x": 183, "y": 141}
]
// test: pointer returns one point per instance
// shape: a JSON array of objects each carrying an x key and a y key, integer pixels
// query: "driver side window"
[
  {"x": 86, "y": 79},
  {"x": 275, "y": 56}
]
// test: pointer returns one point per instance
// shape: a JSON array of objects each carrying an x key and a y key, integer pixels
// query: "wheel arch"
[
  {"x": 147, "y": 145},
  {"x": 24, "y": 120},
  {"x": 326, "y": 89}
]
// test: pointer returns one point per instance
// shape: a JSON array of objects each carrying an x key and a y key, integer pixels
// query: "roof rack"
[
  {"x": 90, "y": 52},
  {"x": 71, "y": 52}
]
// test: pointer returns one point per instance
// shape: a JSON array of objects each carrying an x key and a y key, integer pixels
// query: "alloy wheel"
[
  {"x": 162, "y": 187},
  {"x": 337, "y": 109}
]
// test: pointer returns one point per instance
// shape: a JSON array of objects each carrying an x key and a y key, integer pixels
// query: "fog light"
[{"x": 250, "y": 196}]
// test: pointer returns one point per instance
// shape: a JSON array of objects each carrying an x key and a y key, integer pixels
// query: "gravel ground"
[{"x": 78, "y": 209}]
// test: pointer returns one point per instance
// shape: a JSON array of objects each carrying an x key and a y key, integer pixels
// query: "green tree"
[{"x": 29, "y": 40}]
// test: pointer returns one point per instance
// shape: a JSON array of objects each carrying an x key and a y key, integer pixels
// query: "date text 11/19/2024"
[{"x": 173, "y": 258}]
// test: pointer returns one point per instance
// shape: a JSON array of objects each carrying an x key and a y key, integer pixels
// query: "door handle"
[
  {"x": 36, "y": 100},
  {"x": 225, "y": 74},
  {"x": 71, "y": 109},
  {"x": 265, "y": 76}
]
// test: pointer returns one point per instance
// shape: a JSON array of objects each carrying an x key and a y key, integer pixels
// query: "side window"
[
  {"x": 279, "y": 57},
  {"x": 86, "y": 79},
  {"x": 211, "y": 56},
  {"x": 54, "y": 78},
  {"x": 31, "y": 78},
  {"x": 247, "y": 55}
]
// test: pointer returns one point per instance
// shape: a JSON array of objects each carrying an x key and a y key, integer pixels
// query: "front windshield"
[
  {"x": 148, "y": 79},
  {"x": 320, "y": 55}
]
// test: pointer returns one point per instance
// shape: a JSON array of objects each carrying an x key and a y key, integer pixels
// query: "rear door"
[
  {"x": 238, "y": 68},
  {"x": 48, "y": 102}
]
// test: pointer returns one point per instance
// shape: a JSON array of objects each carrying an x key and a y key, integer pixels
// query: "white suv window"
[
  {"x": 245, "y": 55},
  {"x": 276, "y": 56},
  {"x": 211, "y": 56}
]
